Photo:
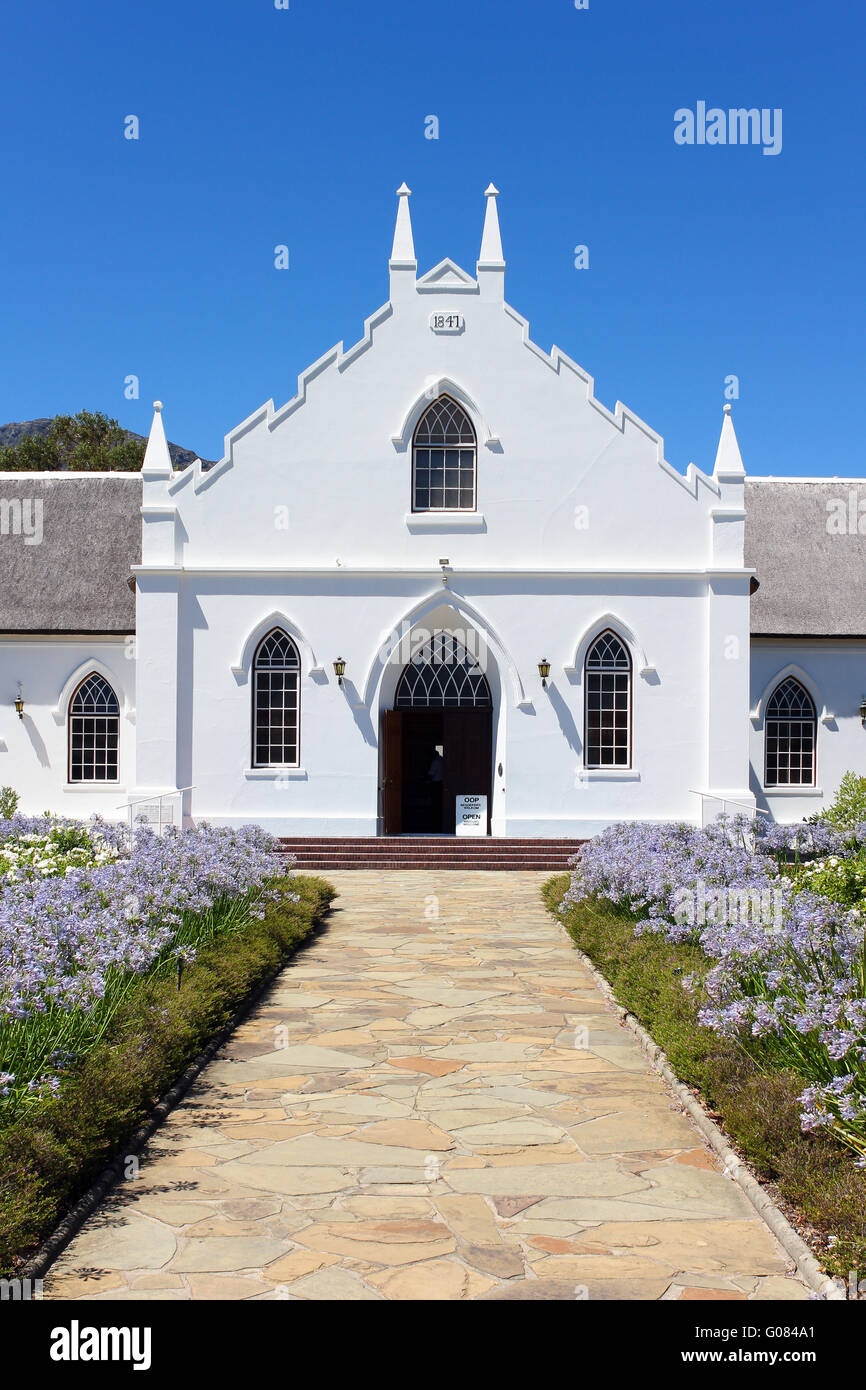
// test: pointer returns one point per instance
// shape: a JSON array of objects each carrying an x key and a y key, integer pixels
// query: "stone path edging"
[
  {"x": 67, "y": 1229},
  {"x": 792, "y": 1243}
]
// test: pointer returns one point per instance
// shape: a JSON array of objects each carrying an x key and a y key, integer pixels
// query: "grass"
[
  {"x": 51, "y": 1153},
  {"x": 813, "y": 1175}
]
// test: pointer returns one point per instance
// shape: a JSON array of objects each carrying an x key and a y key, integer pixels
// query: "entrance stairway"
[{"x": 429, "y": 852}]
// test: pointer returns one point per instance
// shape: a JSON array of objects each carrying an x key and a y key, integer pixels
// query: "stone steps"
[{"x": 396, "y": 852}]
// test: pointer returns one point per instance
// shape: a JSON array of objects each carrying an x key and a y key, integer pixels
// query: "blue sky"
[{"x": 261, "y": 127}]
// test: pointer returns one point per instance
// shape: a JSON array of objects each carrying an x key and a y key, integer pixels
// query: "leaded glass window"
[
  {"x": 94, "y": 731},
  {"x": 276, "y": 675},
  {"x": 790, "y": 730},
  {"x": 607, "y": 740},
  {"x": 443, "y": 459},
  {"x": 442, "y": 675}
]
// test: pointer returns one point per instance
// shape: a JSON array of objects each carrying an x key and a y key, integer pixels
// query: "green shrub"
[
  {"x": 843, "y": 880},
  {"x": 848, "y": 808},
  {"x": 8, "y": 802},
  {"x": 51, "y": 1154},
  {"x": 759, "y": 1109}
]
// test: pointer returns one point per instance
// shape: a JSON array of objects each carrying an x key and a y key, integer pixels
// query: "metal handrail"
[
  {"x": 159, "y": 798},
  {"x": 728, "y": 801}
]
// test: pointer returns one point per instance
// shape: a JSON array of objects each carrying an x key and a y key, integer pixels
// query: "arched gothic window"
[
  {"x": 94, "y": 731},
  {"x": 442, "y": 675},
  {"x": 607, "y": 726},
  {"x": 790, "y": 730},
  {"x": 276, "y": 675},
  {"x": 443, "y": 459}
]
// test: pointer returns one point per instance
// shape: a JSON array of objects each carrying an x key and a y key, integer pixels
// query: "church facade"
[{"x": 443, "y": 575}]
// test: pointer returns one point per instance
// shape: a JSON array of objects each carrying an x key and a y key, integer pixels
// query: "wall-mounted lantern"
[
  {"x": 863, "y": 711},
  {"x": 339, "y": 669},
  {"x": 544, "y": 671},
  {"x": 19, "y": 702}
]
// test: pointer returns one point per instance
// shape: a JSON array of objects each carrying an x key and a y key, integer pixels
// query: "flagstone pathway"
[{"x": 432, "y": 1102}]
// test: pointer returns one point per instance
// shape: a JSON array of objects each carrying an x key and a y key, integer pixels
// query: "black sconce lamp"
[
  {"x": 863, "y": 711},
  {"x": 19, "y": 703},
  {"x": 339, "y": 669},
  {"x": 544, "y": 672}
]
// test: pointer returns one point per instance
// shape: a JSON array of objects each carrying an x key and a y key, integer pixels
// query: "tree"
[{"x": 84, "y": 443}]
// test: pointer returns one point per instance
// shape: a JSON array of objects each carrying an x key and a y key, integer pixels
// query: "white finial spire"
[
  {"x": 491, "y": 240},
  {"x": 729, "y": 461},
  {"x": 157, "y": 459},
  {"x": 403, "y": 250}
]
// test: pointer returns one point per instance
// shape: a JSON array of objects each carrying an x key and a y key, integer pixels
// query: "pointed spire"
[
  {"x": 157, "y": 459},
  {"x": 729, "y": 461},
  {"x": 403, "y": 250},
  {"x": 491, "y": 240}
]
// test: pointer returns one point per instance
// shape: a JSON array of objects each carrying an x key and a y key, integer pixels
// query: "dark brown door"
[
  {"x": 468, "y": 737},
  {"x": 392, "y": 771}
]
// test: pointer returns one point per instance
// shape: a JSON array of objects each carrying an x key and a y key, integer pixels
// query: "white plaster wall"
[
  {"x": 33, "y": 750},
  {"x": 331, "y": 465},
  {"x": 834, "y": 673},
  {"x": 539, "y": 734}
]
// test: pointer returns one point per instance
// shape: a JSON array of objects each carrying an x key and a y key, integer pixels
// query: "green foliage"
[
  {"x": 8, "y": 802},
  {"x": 848, "y": 809},
  {"x": 759, "y": 1109},
  {"x": 83, "y": 443},
  {"x": 841, "y": 879},
  {"x": 50, "y": 1154}
]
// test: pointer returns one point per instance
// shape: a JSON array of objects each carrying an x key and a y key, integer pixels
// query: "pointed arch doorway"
[{"x": 437, "y": 741}]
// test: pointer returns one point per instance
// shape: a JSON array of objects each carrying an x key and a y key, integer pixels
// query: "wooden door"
[
  {"x": 392, "y": 771},
  {"x": 468, "y": 735}
]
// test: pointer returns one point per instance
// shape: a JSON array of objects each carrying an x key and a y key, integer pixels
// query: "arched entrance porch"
[{"x": 437, "y": 739}]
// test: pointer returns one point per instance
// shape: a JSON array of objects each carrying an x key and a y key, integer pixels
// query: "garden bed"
[
  {"x": 812, "y": 1176},
  {"x": 53, "y": 1150},
  {"x": 122, "y": 954}
]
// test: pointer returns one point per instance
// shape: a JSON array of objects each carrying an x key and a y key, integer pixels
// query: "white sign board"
[
  {"x": 447, "y": 323},
  {"x": 472, "y": 815}
]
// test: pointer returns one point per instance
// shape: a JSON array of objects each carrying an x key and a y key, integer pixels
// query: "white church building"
[{"x": 443, "y": 570}]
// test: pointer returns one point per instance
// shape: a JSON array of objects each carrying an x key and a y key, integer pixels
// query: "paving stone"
[
  {"x": 392, "y": 1208},
  {"x": 228, "y": 1287},
  {"x": 498, "y": 1260},
  {"x": 298, "y": 1263},
  {"x": 333, "y": 1284},
  {"x": 470, "y": 1218},
  {"x": 698, "y": 1246},
  {"x": 290, "y": 1181},
  {"x": 522, "y": 1132},
  {"x": 431, "y": 1065},
  {"x": 381, "y": 1242},
  {"x": 433, "y": 1280},
  {"x": 179, "y": 1213},
  {"x": 413, "y": 1134},
  {"x": 127, "y": 1242},
  {"x": 510, "y": 1206},
  {"x": 221, "y": 1253},
  {"x": 592, "y": 1181},
  {"x": 633, "y": 1129},
  {"x": 712, "y": 1295},
  {"x": 776, "y": 1288},
  {"x": 592, "y": 1269}
]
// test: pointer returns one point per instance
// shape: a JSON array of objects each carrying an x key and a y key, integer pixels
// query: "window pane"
[
  {"x": 444, "y": 459},
  {"x": 608, "y": 703}
]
